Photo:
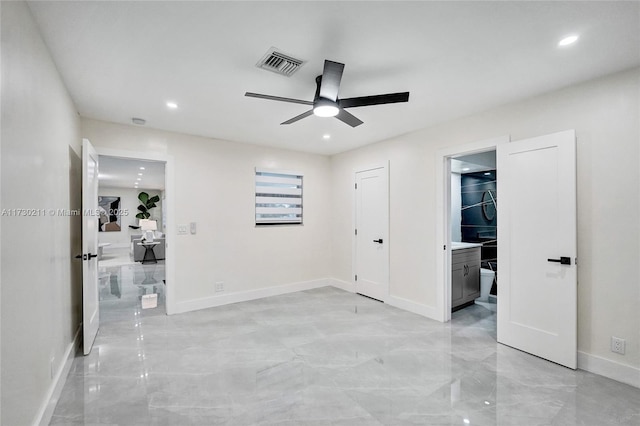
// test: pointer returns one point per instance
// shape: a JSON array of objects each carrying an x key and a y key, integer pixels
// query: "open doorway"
[
  {"x": 131, "y": 237},
  {"x": 467, "y": 222},
  {"x": 537, "y": 247},
  {"x": 474, "y": 241}
]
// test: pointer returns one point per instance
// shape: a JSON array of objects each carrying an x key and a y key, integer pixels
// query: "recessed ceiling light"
[
  {"x": 568, "y": 40},
  {"x": 487, "y": 174},
  {"x": 172, "y": 105},
  {"x": 327, "y": 136},
  {"x": 139, "y": 179},
  {"x": 139, "y": 174},
  {"x": 141, "y": 168},
  {"x": 466, "y": 169}
]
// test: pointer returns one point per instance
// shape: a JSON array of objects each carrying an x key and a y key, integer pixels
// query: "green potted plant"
[{"x": 146, "y": 204}]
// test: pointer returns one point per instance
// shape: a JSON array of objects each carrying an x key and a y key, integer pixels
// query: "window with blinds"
[{"x": 278, "y": 197}]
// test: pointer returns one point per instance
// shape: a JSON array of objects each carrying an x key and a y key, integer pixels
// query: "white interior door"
[
  {"x": 90, "y": 301},
  {"x": 537, "y": 294},
  {"x": 372, "y": 233}
]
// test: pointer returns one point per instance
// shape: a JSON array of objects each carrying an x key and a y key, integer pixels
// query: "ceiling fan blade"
[
  {"x": 298, "y": 117},
  {"x": 389, "y": 98},
  {"x": 350, "y": 119},
  {"x": 278, "y": 98},
  {"x": 331, "y": 77}
]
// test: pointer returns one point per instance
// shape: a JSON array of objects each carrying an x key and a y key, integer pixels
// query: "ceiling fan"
[{"x": 326, "y": 102}]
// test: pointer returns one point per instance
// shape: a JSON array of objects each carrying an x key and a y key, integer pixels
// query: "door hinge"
[
  {"x": 356, "y": 185},
  {"x": 356, "y": 233},
  {"x": 356, "y": 277}
]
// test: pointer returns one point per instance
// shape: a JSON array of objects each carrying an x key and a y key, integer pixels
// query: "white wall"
[
  {"x": 128, "y": 202},
  {"x": 41, "y": 288},
  {"x": 606, "y": 117},
  {"x": 214, "y": 187}
]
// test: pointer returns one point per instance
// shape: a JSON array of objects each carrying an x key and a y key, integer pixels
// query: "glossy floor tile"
[
  {"x": 122, "y": 283},
  {"x": 326, "y": 357}
]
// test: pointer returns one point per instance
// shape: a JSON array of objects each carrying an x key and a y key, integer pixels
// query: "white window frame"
[{"x": 278, "y": 197}]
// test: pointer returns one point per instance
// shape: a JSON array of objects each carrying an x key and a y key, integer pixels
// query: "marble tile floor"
[
  {"x": 121, "y": 288},
  {"x": 116, "y": 256},
  {"x": 326, "y": 357}
]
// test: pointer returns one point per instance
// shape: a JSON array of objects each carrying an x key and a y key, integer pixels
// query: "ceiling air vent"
[{"x": 279, "y": 63}]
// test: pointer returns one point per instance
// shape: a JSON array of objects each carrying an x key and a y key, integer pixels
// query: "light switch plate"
[{"x": 192, "y": 227}]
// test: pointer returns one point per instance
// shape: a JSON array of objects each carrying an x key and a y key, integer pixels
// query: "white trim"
[
  {"x": 278, "y": 171},
  {"x": 244, "y": 296},
  {"x": 43, "y": 417},
  {"x": 169, "y": 195},
  {"x": 142, "y": 155},
  {"x": 342, "y": 285},
  {"x": 118, "y": 246},
  {"x": 608, "y": 368},
  {"x": 443, "y": 214},
  {"x": 413, "y": 307}
]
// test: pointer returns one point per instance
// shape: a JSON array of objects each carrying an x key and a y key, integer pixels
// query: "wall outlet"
[
  {"x": 182, "y": 229},
  {"x": 219, "y": 286},
  {"x": 617, "y": 345}
]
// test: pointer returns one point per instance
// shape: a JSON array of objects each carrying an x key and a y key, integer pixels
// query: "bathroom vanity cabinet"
[{"x": 465, "y": 273}]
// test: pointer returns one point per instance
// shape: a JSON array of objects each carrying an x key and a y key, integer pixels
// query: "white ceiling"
[
  {"x": 124, "y": 173},
  {"x": 126, "y": 59},
  {"x": 473, "y": 163}
]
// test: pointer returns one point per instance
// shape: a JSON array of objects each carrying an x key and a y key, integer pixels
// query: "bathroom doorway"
[
  {"x": 474, "y": 241},
  {"x": 467, "y": 223},
  {"x": 538, "y": 248}
]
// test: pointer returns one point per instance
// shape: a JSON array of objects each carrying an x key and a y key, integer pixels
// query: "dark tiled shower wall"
[{"x": 476, "y": 227}]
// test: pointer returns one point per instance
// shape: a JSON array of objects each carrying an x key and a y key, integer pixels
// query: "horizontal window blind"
[{"x": 278, "y": 197}]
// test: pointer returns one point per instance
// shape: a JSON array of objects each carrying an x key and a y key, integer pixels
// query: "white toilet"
[{"x": 486, "y": 281}]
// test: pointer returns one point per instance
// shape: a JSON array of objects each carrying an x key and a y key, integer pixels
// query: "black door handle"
[
  {"x": 86, "y": 256},
  {"x": 563, "y": 260},
  {"x": 378, "y": 241}
]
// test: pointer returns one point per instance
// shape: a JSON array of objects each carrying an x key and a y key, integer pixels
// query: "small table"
[{"x": 149, "y": 255}]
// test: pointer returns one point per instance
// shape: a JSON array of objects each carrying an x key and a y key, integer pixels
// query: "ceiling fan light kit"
[
  {"x": 325, "y": 108},
  {"x": 326, "y": 102}
]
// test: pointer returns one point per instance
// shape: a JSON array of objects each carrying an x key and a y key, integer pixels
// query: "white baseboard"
[
  {"x": 608, "y": 368},
  {"x": 342, "y": 285},
  {"x": 398, "y": 302},
  {"x": 430, "y": 312},
  {"x": 43, "y": 417},
  {"x": 112, "y": 246},
  {"x": 244, "y": 296}
]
